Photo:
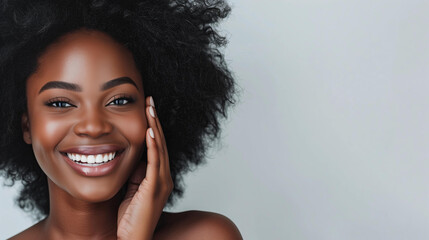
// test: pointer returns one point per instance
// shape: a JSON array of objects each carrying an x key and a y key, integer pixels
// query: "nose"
[{"x": 92, "y": 124}]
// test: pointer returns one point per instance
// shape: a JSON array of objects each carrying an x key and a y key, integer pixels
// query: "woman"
[{"x": 86, "y": 140}]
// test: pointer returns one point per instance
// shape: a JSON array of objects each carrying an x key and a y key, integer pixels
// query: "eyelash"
[
  {"x": 126, "y": 98},
  {"x": 57, "y": 101},
  {"x": 61, "y": 101}
]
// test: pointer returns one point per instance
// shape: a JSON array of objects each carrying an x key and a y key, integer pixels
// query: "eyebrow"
[
  {"x": 74, "y": 87},
  {"x": 118, "y": 81},
  {"x": 62, "y": 85}
]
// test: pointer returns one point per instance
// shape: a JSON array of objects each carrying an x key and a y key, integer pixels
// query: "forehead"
[{"x": 84, "y": 55}]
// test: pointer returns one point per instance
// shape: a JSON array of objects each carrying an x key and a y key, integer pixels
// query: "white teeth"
[
  {"x": 92, "y": 159},
  {"x": 99, "y": 158}
]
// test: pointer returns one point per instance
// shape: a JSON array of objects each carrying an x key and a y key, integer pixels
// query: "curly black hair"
[{"x": 176, "y": 48}]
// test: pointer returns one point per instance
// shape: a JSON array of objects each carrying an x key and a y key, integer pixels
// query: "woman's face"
[{"x": 86, "y": 115}]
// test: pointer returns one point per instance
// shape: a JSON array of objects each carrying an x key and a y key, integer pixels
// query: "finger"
[
  {"x": 164, "y": 169},
  {"x": 152, "y": 120},
  {"x": 150, "y": 102},
  {"x": 161, "y": 132},
  {"x": 153, "y": 161},
  {"x": 165, "y": 159},
  {"x": 164, "y": 173},
  {"x": 152, "y": 123},
  {"x": 165, "y": 162}
]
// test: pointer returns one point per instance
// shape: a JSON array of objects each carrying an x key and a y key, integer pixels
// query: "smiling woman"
[
  {"x": 74, "y": 109},
  {"x": 86, "y": 141}
]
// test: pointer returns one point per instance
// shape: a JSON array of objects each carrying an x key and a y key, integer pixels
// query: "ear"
[{"x": 25, "y": 125}]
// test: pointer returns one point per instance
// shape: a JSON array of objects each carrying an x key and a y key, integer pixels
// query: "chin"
[{"x": 95, "y": 194}]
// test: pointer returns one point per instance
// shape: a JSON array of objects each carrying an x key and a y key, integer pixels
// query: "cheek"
[
  {"x": 46, "y": 133},
  {"x": 134, "y": 129}
]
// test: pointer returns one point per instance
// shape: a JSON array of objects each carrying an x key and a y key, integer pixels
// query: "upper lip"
[{"x": 92, "y": 149}]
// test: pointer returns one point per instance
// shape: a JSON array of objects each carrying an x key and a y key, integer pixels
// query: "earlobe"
[{"x": 25, "y": 125}]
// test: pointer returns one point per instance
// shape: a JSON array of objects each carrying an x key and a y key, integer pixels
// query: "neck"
[{"x": 76, "y": 219}]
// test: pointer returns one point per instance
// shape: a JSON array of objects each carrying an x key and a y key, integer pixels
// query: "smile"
[{"x": 91, "y": 159}]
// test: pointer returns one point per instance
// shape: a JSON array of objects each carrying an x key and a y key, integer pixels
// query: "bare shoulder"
[
  {"x": 196, "y": 225},
  {"x": 33, "y": 232}
]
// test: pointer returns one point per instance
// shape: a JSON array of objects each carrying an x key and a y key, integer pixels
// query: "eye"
[
  {"x": 121, "y": 101},
  {"x": 59, "y": 103}
]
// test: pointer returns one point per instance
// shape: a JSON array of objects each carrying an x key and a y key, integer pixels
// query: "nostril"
[{"x": 93, "y": 127}]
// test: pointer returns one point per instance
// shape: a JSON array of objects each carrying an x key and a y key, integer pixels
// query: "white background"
[{"x": 329, "y": 140}]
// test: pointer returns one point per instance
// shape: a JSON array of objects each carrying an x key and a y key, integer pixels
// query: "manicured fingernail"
[
  {"x": 152, "y": 103},
  {"x": 151, "y": 111},
  {"x": 152, "y": 135}
]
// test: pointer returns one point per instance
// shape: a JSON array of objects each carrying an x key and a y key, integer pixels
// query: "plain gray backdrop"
[{"x": 329, "y": 139}]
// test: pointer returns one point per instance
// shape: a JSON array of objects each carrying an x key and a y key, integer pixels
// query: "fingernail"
[
  {"x": 152, "y": 135},
  {"x": 151, "y": 111},
  {"x": 152, "y": 103}
]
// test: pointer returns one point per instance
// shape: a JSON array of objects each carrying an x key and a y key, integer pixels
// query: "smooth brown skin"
[{"x": 83, "y": 207}]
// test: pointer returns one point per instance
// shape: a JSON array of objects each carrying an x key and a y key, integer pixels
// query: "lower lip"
[{"x": 94, "y": 171}]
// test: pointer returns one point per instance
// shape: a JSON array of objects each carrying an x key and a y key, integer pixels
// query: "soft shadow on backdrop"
[{"x": 330, "y": 138}]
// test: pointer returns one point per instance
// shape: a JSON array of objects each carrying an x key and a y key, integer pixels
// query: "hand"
[{"x": 147, "y": 193}]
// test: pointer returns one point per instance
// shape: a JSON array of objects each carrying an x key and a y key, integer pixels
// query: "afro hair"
[{"x": 176, "y": 47}]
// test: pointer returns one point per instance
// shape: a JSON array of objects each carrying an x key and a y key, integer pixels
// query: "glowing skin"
[
  {"x": 86, "y": 102},
  {"x": 85, "y": 110},
  {"x": 87, "y": 116}
]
